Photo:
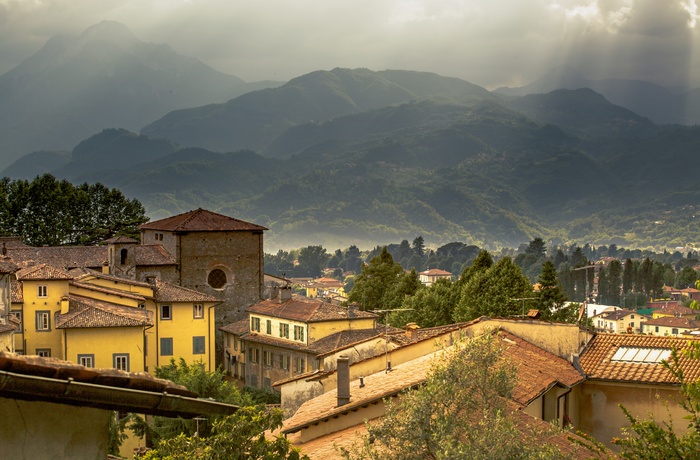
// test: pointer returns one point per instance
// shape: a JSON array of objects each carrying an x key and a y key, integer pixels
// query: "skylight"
[{"x": 641, "y": 355}]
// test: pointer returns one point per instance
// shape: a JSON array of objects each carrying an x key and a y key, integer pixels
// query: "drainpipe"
[
  {"x": 212, "y": 349},
  {"x": 145, "y": 347}
]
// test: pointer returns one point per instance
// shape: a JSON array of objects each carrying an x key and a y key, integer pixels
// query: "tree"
[
  {"x": 46, "y": 211},
  {"x": 312, "y": 260},
  {"x": 492, "y": 293},
  {"x": 406, "y": 286},
  {"x": 537, "y": 247},
  {"x": 483, "y": 262},
  {"x": 419, "y": 246},
  {"x": 628, "y": 276},
  {"x": 550, "y": 298},
  {"x": 431, "y": 306},
  {"x": 240, "y": 436},
  {"x": 459, "y": 413},
  {"x": 377, "y": 278},
  {"x": 686, "y": 278},
  {"x": 614, "y": 282}
]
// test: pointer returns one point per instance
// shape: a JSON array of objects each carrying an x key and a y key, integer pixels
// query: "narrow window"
[
  {"x": 86, "y": 360},
  {"x": 254, "y": 324},
  {"x": 166, "y": 346},
  {"x": 284, "y": 330},
  {"x": 198, "y": 345},
  {"x": 269, "y": 327},
  {"x": 43, "y": 320},
  {"x": 253, "y": 355},
  {"x": 299, "y": 333},
  {"x": 42, "y": 291},
  {"x": 121, "y": 361},
  {"x": 166, "y": 312},
  {"x": 122, "y": 258},
  {"x": 198, "y": 310}
]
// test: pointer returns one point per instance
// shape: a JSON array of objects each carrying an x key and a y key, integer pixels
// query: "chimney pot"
[
  {"x": 343, "y": 380},
  {"x": 285, "y": 293}
]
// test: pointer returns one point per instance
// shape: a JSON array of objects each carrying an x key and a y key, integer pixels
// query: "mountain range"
[{"x": 354, "y": 156}]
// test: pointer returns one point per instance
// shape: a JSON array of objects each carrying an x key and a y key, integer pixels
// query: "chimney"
[
  {"x": 105, "y": 268},
  {"x": 410, "y": 330},
  {"x": 285, "y": 293},
  {"x": 343, "y": 380},
  {"x": 151, "y": 279},
  {"x": 65, "y": 304}
]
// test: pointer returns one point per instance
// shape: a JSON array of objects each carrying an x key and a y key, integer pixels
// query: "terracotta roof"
[
  {"x": 120, "y": 239},
  {"x": 60, "y": 256},
  {"x": 435, "y": 272},
  {"x": 82, "y": 273},
  {"x": 325, "y": 447},
  {"x": 42, "y": 272},
  {"x": 84, "y": 312},
  {"x": 201, "y": 220},
  {"x": 7, "y": 265},
  {"x": 152, "y": 254},
  {"x": 673, "y": 321},
  {"x": 238, "y": 328},
  {"x": 167, "y": 292},
  {"x": 105, "y": 290},
  {"x": 616, "y": 314},
  {"x": 676, "y": 310},
  {"x": 344, "y": 339},
  {"x": 307, "y": 310},
  {"x": 596, "y": 360},
  {"x": 537, "y": 369},
  {"x": 17, "y": 295},
  {"x": 376, "y": 387},
  {"x": 402, "y": 338},
  {"x": 263, "y": 339},
  {"x": 56, "y": 368}
]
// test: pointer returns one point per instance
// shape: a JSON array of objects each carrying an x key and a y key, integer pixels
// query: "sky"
[{"x": 488, "y": 42}]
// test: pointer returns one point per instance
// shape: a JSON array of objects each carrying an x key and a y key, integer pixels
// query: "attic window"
[{"x": 641, "y": 355}]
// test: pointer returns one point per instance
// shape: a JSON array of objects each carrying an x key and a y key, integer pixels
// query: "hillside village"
[{"x": 194, "y": 287}]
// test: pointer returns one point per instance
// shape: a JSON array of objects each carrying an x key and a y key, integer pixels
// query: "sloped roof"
[
  {"x": 201, "y": 220},
  {"x": 673, "y": 321},
  {"x": 120, "y": 239},
  {"x": 106, "y": 290},
  {"x": 616, "y": 314},
  {"x": 307, "y": 310},
  {"x": 60, "y": 256},
  {"x": 402, "y": 338},
  {"x": 16, "y": 294},
  {"x": 675, "y": 310},
  {"x": 7, "y": 265},
  {"x": 168, "y": 292},
  {"x": 345, "y": 339},
  {"x": 42, "y": 272},
  {"x": 85, "y": 313},
  {"x": 596, "y": 360},
  {"x": 537, "y": 369},
  {"x": 84, "y": 273},
  {"x": 152, "y": 254},
  {"x": 435, "y": 272},
  {"x": 238, "y": 328}
]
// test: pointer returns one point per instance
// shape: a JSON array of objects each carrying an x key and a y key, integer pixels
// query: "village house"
[
  {"x": 619, "y": 321},
  {"x": 428, "y": 277},
  {"x": 326, "y": 288},
  {"x": 289, "y": 335},
  {"x": 670, "y": 325},
  {"x": 675, "y": 311}
]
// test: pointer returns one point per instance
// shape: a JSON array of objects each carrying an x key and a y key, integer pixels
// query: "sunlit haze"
[{"x": 488, "y": 42}]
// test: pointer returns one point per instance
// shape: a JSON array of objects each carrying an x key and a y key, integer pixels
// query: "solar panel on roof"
[{"x": 641, "y": 355}]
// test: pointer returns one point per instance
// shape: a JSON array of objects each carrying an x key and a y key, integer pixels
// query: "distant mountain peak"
[{"x": 111, "y": 31}]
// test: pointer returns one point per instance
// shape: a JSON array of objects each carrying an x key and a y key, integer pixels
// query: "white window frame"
[
  {"x": 87, "y": 360},
  {"x": 198, "y": 311},
  {"x": 42, "y": 291},
  {"x": 43, "y": 321},
  {"x": 120, "y": 361}
]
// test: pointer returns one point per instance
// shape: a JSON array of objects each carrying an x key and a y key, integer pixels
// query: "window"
[
  {"x": 166, "y": 312},
  {"x": 269, "y": 327},
  {"x": 198, "y": 345},
  {"x": 142, "y": 306},
  {"x": 656, "y": 329},
  {"x": 299, "y": 333},
  {"x": 42, "y": 291},
  {"x": 299, "y": 365},
  {"x": 235, "y": 344},
  {"x": 632, "y": 324},
  {"x": 120, "y": 361},
  {"x": 284, "y": 362},
  {"x": 217, "y": 278},
  {"x": 253, "y": 355},
  {"x": 43, "y": 320},
  {"x": 43, "y": 352},
  {"x": 284, "y": 330},
  {"x": 674, "y": 331},
  {"x": 86, "y": 360},
  {"x": 632, "y": 316},
  {"x": 267, "y": 358},
  {"x": 198, "y": 310},
  {"x": 166, "y": 346},
  {"x": 18, "y": 315},
  {"x": 254, "y": 324},
  {"x": 122, "y": 259}
]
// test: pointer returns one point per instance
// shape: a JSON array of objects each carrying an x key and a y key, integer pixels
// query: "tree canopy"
[{"x": 46, "y": 211}]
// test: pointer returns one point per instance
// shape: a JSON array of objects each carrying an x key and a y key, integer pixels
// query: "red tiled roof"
[
  {"x": 201, "y": 220},
  {"x": 596, "y": 359},
  {"x": 167, "y": 292},
  {"x": 306, "y": 310},
  {"x": 84, "y": 313},
  {"x": 238, "y": 328},
  {"x": 120, "y": 239},
  {"x": 676, "y": 310},
  {"x": 616, "y": 314},
  {"x": 673, "y": 321},
  {"x": 152, "y": 254},
  {"x": 7, "y": 265},
  {"x": 42, "y": 272},
  {"x": 344, "y": 339},
  {"x": 435, "y": 272},
  {"x": 537, "y": 369},
  {"x": 60, "y": 256},
  {"x": 105, "y": 290},
  {"x": 83, "y": 273},
  {"x": 16, "y": 291}
]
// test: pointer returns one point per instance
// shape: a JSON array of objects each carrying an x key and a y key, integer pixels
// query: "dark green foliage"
[
  {"x": 377, "y": 279},
  {"x": 550, "y": 298},
  {"x": 430, "y": 306},
  {"x": 312, "y": 260},
  {"x": 47, "y": 211}
]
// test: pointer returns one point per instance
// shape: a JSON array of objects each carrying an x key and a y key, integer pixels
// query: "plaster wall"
[
  {"x": 103, "y": 343},
  {"x": 563, "y": 340},
  {"x": 35, "y": 339},
  {"x": 36, "y": 430}
]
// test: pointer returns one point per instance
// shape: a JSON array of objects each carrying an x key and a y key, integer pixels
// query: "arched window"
[
  {"x": 123, "y": 256},
  {"x": 217, "y": 278}
]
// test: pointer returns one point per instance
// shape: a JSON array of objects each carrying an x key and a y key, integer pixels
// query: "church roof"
[{"x": 201, "y": 220}]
